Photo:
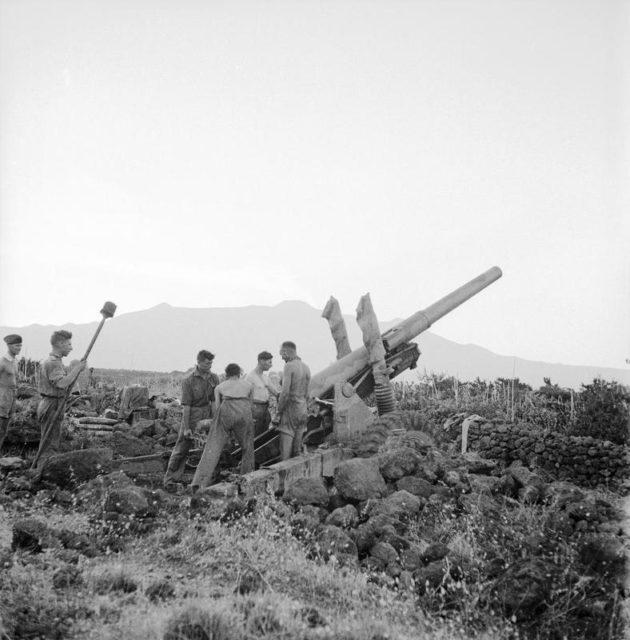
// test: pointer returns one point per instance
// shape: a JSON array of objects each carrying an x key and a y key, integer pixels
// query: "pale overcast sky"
[{"x": 235, "y": 153}]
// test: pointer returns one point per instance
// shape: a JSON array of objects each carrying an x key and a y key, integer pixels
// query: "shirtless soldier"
[
  {"x": 8, "y": 383},
  {"x": 264, "y": 389},
  {"x": 292, "y": 403}
]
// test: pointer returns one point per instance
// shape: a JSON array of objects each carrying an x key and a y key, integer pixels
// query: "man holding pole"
[
  {"x": 8, "y": 383},
  {"x": 55, "y": 383}
]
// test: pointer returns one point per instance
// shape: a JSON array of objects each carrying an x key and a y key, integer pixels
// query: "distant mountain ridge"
[{"x": 167, "y": 338}]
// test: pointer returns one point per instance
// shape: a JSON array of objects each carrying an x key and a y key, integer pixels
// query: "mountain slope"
[{"x": 166, "y": 338}]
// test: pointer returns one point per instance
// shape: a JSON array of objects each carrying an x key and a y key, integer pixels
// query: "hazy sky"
[{"x": 235, "y": 153}]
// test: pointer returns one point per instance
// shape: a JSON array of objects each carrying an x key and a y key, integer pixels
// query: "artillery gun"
[{"x": 338, "y": 392}]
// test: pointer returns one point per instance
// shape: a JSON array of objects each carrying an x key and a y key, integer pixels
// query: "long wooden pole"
[{"x": 108, "y": 310}]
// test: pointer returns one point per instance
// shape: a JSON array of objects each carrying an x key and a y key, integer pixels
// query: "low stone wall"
[{"x": 586, "y": 461}]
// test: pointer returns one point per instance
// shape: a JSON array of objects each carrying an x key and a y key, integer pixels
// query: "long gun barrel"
[{"x": 352, "y": 364}]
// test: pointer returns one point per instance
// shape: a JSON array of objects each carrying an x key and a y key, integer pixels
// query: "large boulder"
[
  {"x": 399, "y": 462},
  {"x": 480, "y": 504},
  {"x": 524, "y": 477},
  {"x": 343, "y": 517},
  {"x": 32, "y": 535},
  {"x": 474, "y": 463},
  {"x": 143, "y": 428},
  {"x": 127, "y": 445},
  {"x": 411, "y": 557},
  {"x": 384, "y": 552},
  {"x": 74, "y": 467},
  {"x": 306, "y": 521},
  {"x": 431, "y": 576},
  {"x": 560, "y": 493},
  {"x": 364, "y": 536},
  {"x": 93, "y": 494},
  {"x": 433, "y": 552},
  {"x": 77, "y": 541},
  {"x": 481, "y": 483},
  {"x": 401, "y": 505},
  {"x": 417, "y": 486},
  {"x": 525, "y": 587},
  {"x": 126, "y": 501},
  {"x": 359, "y": 479},
  {"x": 416, "y": 440},
  {"x": 407, "y": 503},
  {"x": 383, "y": 524},
  {"x": 332, "y": 541},
  {"x": 307, "y": 491},
  {"x": 530, "y": 486}
]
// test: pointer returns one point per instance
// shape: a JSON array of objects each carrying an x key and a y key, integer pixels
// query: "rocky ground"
[{"x": 408, "y": 539}]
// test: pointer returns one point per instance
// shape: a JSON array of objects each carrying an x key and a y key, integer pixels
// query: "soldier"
[
  {"x": 8, "y": 383},
  {"x": 54, "y": 383},
  {"x": 292, "y": 403},
  {"x": 264, "y": 389},
  {"x": 233, "y": 398},
  {"x": 197, "y": 397}
]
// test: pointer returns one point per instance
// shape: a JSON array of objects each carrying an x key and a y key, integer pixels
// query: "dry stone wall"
[{"x": 583, "y": 460}]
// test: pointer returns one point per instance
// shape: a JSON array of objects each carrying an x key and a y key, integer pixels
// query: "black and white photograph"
[{"x": 315, "y": 319}]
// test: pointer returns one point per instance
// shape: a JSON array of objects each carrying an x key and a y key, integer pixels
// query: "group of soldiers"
[
  {"x": 239, "y": 406},
  {"x": 55, "y": 381}
]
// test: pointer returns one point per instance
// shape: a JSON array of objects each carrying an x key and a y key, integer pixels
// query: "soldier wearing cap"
[
  {"x": 55, "y": 381},
  {"x": 8, "y": 382},
  {"x": 264, "y": 389}
]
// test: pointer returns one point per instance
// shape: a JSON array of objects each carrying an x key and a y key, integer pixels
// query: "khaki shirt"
[
  {"x": 198, "y": 389},
  {"x": 52, "y": 370}
]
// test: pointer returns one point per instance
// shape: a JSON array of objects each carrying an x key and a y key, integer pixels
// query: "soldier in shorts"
[
  {"x": 292, "y": 403},
  {"x": 54, "y": 382},
  {"x": 8, "y": 383},
  {"x": 264, "y": 390}
]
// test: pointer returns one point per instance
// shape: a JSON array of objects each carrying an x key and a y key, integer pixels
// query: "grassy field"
[
  {"x": 257, "y": 568},
  {"x": 248, "y": 579},
  {"x": 252, "y": 576}
]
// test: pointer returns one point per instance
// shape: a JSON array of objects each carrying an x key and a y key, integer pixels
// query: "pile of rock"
[{"x": 390, "y": 514}]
